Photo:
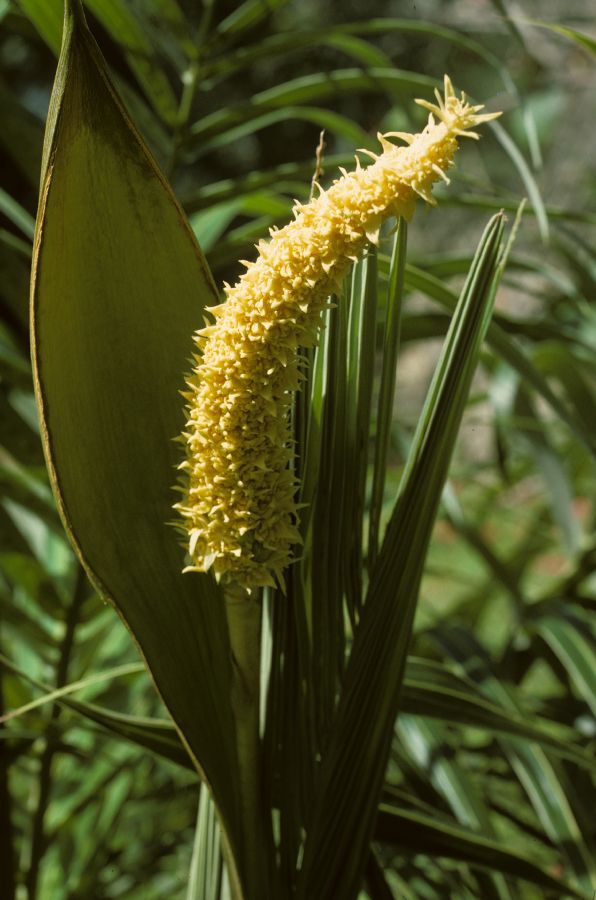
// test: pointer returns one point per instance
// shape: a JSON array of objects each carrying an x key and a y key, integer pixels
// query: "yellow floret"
[{"x": 238, "y": 507}]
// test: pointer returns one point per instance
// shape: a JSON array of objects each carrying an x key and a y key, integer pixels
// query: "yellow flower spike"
[{"x": 238, "y": 509}]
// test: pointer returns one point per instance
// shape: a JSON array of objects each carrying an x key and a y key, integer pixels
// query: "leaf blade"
[
  {"x": 111, "y": 246},
  {"x": 404, "y": 827}
]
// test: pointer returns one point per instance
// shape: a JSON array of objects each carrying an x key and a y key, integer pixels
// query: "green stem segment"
[{"x": 244, "y": 614}]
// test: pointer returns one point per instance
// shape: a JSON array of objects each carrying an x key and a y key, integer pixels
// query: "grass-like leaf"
[
  {"x": 354, "y": 760},
  {"x": 406, "y": 829}
]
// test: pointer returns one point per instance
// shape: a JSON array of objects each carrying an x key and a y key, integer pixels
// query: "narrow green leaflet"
[
  {"x": 46, "y": 15},
  {"x": 17, "y": 215},
  {"x": 119, "y": 285},
  {"x": 344, "y": 38},
  {"x": 312, "y": 88},
  {"x": 249, "y": 120},
  {"x": 361, "y": 347},
  {"x": 550, "y": 466},
  {"x": 508, "y": 349},
  {"x": 411, "y": 830},
  {"x": 126, "y": 26},
  {"x": 283, "y": 44},
  {"x": 525, "y": 173},
  {"x": 157, "y": 735},
  {"x": 206, "y": 870},
  {"x": 544, "y": 780},
  {"x": 576, "y": 650},
  {"x": 547, "y": 787},
  {"x": 73, "y": 687},
  {"x": 289, "y": 176},
  {"x": 393, "y": 321},
  {"x": 247, "y": 14},
  {"x": 581, "y": 38},
  {"x": 425, "y": 742},
  {"x": 423, "y": 696}
]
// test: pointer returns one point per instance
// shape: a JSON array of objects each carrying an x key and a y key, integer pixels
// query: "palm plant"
[{"x": 327, "y": 793}]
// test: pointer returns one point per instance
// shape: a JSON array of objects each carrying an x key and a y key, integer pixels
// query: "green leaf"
[
  {"x": 282, "y": 44},
  {"x": 295, "y": 176},
  {"x": 547, "y": 788},
  {"x": 46, "y": 15},
  {"x": 221, "y": 128},
  {"x": 576, "y": 650},
  {"x": 156, "y": 735},
  {"x": 126, "y": 27},
  {"x": 525, "y": 173},
  {"x": 411, "y": 830},
  {"x": 354, "y": 761},
  {"x": 425, "y": 742},
  {"x": 509, "y": 350},
  {"x": 550, "y": 466},
  {"x": 544, "y": 780},
  {"x": 308, "y": 88},
  {"x": 205, "y": 877},
  {"x": 579, "y": 37},
  {"x": 457, "y": 700},
  {"x": 393, "y": 321},
  {"x": 510, "y": 204},
  {"x": 573, "y": 368},
  {"x": 361, "y": 350},
  {"x": 17, "y": 215},
  {"x": 324, "y": 490},
  {"x": 118, "y": 288},
  {"x": 246, "y": 15},
  {"x": 73, "y": 687}
]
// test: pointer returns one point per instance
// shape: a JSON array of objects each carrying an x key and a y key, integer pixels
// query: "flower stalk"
[
  {"x": 244, "y": 616},
  {"x": 239, "y": 510}
]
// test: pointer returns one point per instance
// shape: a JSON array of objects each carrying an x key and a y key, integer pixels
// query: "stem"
[
  {"x": 180, "y": 132},
  {"x": 189, "y": 89},
  {"x": 73, "y": 9},
  {"x": 244, "y": 615},
  {"x": 7, "y": 859},
  {"x": 38, "y": 840}
]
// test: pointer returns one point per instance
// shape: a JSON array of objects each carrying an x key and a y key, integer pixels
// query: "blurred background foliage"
[{"x": 231, "y": 98}]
